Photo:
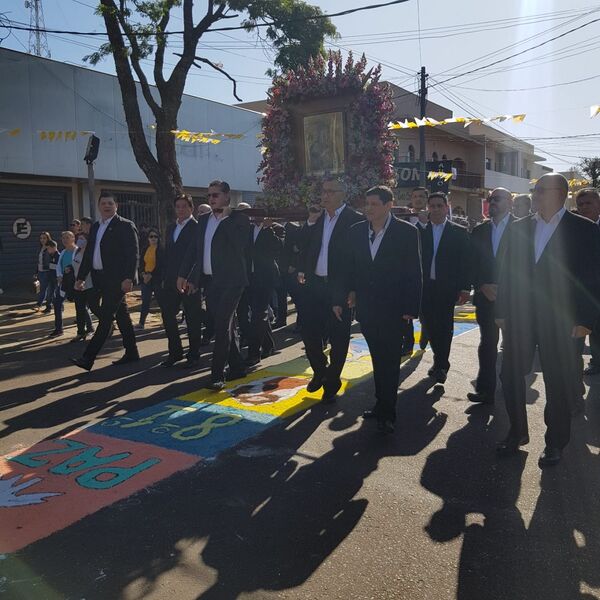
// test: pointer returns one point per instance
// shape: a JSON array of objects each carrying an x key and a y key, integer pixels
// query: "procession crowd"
[{"x": 534, "y": 276}]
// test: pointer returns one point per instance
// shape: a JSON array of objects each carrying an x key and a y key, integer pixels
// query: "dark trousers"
[
  {"x": 488, "y": 347},
  {"x": 260, "y": 335},
  {"x": 170, "y": 300},
  {"x": 407, "y": 331},
  {"x": 147, "y": 291},
  {"x": 319, "y": 322},
  {"x": 43, "y": 296},
  {"x": 384, "y": 339},
  {"x": 243, "y": 314},
  {"x": 437, "y": 316},
  {"x": 110, "y": 299},
  {"x": 82, "y": 310},
  {"x": 222, "y": 303},
  {"x": 58, "y": 302},
  {"x": 295, "y": 291},
  {"x": 558, "y": 358},
  {"x": 595, "y": 344},
  {"x": 282, "y": 301}
]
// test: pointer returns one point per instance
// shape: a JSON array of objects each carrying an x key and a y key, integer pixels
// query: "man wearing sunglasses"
[
  {"x": 217, "y": 262},
  {"x": 546, "y": 299}
]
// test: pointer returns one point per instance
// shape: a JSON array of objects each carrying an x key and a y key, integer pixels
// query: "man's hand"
[
  {"x": 500, "y": 323},
  {"x": 314, "y": 212},
  {"x": 301, "y": 279},
  {"x": 181, "y": 284},
  {"x": 408, "y": 317},
  {"x": 490, "y": 291},
  {"x": 267, "y": 222},
  {"x": 337, "y": 311},
  {"x": 190, "y": 289},
  {"x": 351, "y": 299},
  {"x": 126, "y": 285},
  {"x": 463, "y": 297},
  {"x": 80, "y": 285},
  {"x": 579, "y": 331}
]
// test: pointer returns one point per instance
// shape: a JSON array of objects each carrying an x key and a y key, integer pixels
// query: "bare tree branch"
[{"x": 217, "y": 68}]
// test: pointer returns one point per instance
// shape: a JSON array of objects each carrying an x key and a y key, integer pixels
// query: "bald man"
[
  {"x": 546, "y": 299},
  {"x": 488, "y": 248}
]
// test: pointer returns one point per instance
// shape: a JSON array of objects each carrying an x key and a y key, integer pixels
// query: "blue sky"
[{"x": 454, "y": 40}]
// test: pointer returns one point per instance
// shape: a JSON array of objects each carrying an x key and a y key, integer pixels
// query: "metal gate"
[
  {"x": 26, "y": 211},
  {"x": 138, "y": 207}
]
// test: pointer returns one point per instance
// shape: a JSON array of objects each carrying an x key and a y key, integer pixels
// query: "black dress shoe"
[
  {"x": 126, "y": 358},
  {"x": 440, "y": 376},
  {"x": 191, "y": 363},
  {"x": 267, "y": 353},
  {"x": 550, "y": 457},
  {"x": 423, "y": 342},
  {"x": 170, "y": 361},
  {"x": 369, "y": 414},
  {"x": 315, "y": 384},
  {"x": 385, "y": 425},
  {"x": 279, "y": 324},
  {"x": 328, "y": 397},
  {"x": 83, "y": 363},
  {"x": 510, "y": 446},
  {"x": 431, "y": 372},
  {"x": 252, "y": 361},
  {"x": 480, "y": 398},
  {"x": 216, "y": 386}
]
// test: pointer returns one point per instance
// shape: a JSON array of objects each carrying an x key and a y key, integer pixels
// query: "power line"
[
  {"x": 540, "y": 87},
  {"x": 254, "y": 25},
  {"x": 565, "y": 33}
]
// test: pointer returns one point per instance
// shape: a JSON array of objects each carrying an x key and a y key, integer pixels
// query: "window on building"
[
  {"x": 444, "y": 157},
  {"x": 138, "y": 207},
  {"x": 434, "y": 156},
  {"x": 488, "y": 163},
  {"x": 411, "y": 153}
]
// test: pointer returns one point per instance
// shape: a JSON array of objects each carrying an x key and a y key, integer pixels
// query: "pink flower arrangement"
[{"x": 369, "y": 144}]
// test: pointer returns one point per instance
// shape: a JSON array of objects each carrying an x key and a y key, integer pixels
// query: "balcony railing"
[{"x": 468, "y": 180}]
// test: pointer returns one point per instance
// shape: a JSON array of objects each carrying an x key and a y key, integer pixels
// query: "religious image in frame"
[{"x": 324, "y": 143}]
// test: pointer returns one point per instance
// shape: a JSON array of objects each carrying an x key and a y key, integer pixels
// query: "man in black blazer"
[
  {"x": 112, "y": 257},
  {"x": 180, "y": 236},
  {"x": 384, "y": 280},
  {"x": 488, "y": 247},
  {"x": 445, "y": 257},
  {"x": 323, "y": 261},
  {"x": 217, "y": 261},
  {"x": 264, "y": 249},
  {"x": 546, "y": 299}
]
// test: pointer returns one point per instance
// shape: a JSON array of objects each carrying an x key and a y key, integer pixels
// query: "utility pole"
[
  {"x": 423, "y": 102},
  {"x": 38, "y": 40}
]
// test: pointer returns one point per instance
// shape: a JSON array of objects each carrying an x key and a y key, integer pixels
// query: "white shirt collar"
[
  {"x": 385, "y": 226},
  {"x": 184, "y": 222},
  {"x": 556, "y": 217},
  {"x": 503, "y": 222},
  {"x": 107, "y": 221},
  {"x": 442, "y": 224},
  {"x": 337, "y": 212}
]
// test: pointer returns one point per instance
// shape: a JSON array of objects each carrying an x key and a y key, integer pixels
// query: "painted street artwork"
[{"x": 57, "y": 482}]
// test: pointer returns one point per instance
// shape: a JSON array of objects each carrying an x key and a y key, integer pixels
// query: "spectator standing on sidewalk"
[
  {"x": 43, "y": 274},
  {"x": 149, "y": 273},
  {"x": 82, "y": 297},
  {"x": 65, "y": 281}
]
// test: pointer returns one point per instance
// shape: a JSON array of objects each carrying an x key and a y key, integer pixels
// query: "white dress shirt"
[
  {"x": 498, "y": 232},
  {"x": 97, "y": 257},
  {"x": 179, "y": 227},
  {"x": 375, "y": 239},
  {"x": 211, "y": 227},
  {"x": 544, "y": 231},
  {"x": 328, "y": 225},
  {"x": 437, "y": 231}
]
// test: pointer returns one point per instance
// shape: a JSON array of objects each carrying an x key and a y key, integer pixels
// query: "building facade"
[{"x": 49, "y": 110}]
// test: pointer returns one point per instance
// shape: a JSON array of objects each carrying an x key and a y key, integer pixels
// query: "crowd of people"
[{"x": 533, "y": 274}]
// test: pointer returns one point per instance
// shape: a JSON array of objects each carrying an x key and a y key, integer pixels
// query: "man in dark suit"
[
  {"x": 546, "y": 298},
  {"x": 180, "y": 236},
  {"x": 445, "y": 257},
  {"x": 488, "y": 247},
  {"x": 322, "y": 263},
  {"x": 112, "y": 257},
  {"x": 265, "y": 248},
  {"x": 218, "y": 262},
  {"x": 588, "y": 206},
  {"x": 386, "y": 291}
]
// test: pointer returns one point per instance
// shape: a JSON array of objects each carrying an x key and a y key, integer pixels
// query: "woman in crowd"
[
  {"x": 149, "y": 274},
  {"x": 65, "y": 279},
  {"x": 83, "y": 297},
  {"x": 43, "y": 274}
]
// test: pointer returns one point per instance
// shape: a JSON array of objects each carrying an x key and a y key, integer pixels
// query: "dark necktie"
[{"x": 372, "y": 236}]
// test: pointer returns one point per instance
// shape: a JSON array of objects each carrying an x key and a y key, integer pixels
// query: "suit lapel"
[{"x": 385, "y": 242}]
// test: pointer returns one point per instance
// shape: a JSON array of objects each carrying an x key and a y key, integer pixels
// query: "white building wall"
[{"x": 40, "y": 94}]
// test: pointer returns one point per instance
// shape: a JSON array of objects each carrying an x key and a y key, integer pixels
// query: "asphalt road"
[{"x": 313, "y": 505}]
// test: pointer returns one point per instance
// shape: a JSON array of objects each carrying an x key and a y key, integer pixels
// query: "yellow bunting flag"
[
  {"x": 14, "y": 132},
  {"x": 594, "y": 110},
  {"x": 439, "y": 175},
  {"x": 210, "y": 137},
  {"x": 430, "y": 122}
]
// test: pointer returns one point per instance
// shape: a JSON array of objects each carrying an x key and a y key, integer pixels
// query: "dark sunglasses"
[{"x": 152, "y": 237}]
